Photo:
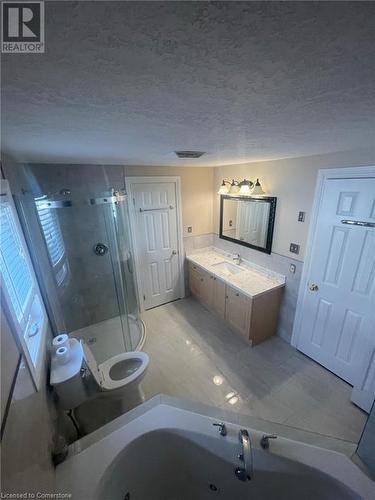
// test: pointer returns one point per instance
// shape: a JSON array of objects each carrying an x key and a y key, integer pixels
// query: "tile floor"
[
  {"x": 107, "y": 338},
  {"x": 193, "y": 355}
]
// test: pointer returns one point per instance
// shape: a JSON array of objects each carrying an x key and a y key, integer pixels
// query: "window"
[
  {"x": 54, "y": 240},
  {"x": 52, "y": 232},
  {"x": 19, "y": 288}
]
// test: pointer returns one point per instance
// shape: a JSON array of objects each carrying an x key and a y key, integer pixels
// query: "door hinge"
[
  {"x": 144, "y": 297},
  {"x": 134, "y": 201}
]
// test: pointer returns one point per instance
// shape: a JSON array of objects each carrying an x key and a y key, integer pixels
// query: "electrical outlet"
[
  {"x": 301, "y": 216},
  {"x": 292, "y": 268},
  {"x": 190, "y": 229},
  {"x": 294, "y": 248}
]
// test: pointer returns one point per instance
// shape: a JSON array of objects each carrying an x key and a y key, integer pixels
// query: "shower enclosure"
[{"x": 87, "y": 274}]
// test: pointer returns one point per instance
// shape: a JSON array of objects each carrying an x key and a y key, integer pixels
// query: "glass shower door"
[{"x": 125, "y": 261}]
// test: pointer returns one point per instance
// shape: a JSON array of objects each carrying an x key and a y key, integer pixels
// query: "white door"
[
  {"x": 252, "y": 220},
  {"x": 156, "y": 241},
  {"x": 337, "y": 324},
  {"x": 363, "y": 394}
]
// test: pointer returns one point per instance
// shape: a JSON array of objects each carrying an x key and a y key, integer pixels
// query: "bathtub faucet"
[
  {"x": 245, "y": 473},
  {"x": 222, "y": 428},
  {"x": 265, "y": 441}
]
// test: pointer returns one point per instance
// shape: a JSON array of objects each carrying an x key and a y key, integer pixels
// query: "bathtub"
[{"x": 170, "y": 453}]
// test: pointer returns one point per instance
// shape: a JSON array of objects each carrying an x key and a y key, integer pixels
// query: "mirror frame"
[{"x": 271, "y": 220}]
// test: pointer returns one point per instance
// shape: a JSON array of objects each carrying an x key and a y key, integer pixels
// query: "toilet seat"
[{"x": 101, "y": 372}]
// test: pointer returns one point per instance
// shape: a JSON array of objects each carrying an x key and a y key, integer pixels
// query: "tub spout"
[
  {"x": 265, "y": 441},
  {"x": 222, "y": 428},
  {"x": 245, "y": 473}
]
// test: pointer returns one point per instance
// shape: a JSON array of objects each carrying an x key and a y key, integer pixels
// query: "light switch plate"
[
  {"x": 294, "y": 248},
  {"x": 301, "y": 216}
]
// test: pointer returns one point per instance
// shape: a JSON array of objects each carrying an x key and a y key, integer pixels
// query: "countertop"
[{"x": 253, "y": 281}]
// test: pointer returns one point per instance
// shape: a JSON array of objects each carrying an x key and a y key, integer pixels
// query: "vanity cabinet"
[{"x": 255, "y": 318}]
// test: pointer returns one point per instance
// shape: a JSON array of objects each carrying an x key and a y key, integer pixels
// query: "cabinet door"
[
  {"x": 206, "y": 288},
  {"x": 218, "y": 297},
  {"x": 237, "y": 311},
  {"x": 195, "y": 281}
]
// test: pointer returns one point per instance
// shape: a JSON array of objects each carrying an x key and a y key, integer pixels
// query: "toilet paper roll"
[
  {"x": 61, "y": 340},
  {"x": 62, "y": 355}
]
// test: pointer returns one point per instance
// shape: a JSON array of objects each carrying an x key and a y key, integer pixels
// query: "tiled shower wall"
[{"x": 89, "y": 294}]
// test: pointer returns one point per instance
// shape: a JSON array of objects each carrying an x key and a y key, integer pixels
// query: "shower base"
[{"x": 106, "y": 337}]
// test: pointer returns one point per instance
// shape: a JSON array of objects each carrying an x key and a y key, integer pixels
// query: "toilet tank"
[{"x": 67, "y": 379}]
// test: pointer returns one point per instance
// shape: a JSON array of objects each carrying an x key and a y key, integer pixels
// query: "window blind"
[
  {"x": 13, "y": 264},
  {"x": 52, "y": 233}
]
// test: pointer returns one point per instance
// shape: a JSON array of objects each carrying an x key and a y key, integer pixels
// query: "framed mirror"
[{"x": 248, "y": 220}]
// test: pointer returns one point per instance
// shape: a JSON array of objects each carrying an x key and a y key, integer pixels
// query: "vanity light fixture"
[
  {"x": 234, "y": 187},
  {"x": 224, "y": 189},
  {"x": 257, "y": 189},
  {"x": 245, "y": 187}
]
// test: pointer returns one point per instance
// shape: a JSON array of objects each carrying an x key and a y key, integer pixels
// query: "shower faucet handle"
[{"x": 100, "y": 249}]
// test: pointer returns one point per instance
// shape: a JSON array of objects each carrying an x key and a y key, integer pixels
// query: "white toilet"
[
  {"x": 113, "y": 388},
  {"x": 119, "y": 377}
]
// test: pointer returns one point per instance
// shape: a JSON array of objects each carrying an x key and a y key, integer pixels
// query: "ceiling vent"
[{"x": 189, "y": 154}]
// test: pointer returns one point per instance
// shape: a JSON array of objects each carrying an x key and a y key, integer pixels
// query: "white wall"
[
  {"x": 293, "y": 182},
  {"x": 196, "y": 192}
]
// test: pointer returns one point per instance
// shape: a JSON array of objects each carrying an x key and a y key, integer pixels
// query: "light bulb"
[
  {"x": 223, "y": 188},
  {"x": 245, "y": 188},
  {"x": 234, "y": 187},
  {"x": 257, "y": 190}
]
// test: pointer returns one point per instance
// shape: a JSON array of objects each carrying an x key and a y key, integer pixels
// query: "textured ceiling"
[{"x": 130, "y": 82}]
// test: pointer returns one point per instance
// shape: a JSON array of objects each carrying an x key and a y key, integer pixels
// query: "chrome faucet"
[
  {"x": 237, "y": 258},
  {"x": 245, "y": 473},
  {"x": 265, "y": 441},
  {"x": 222, "y": 428}
]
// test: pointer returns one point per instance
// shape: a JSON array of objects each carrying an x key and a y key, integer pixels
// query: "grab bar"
[
  {"x": 245, "y": 473},
  {"x": 358, "y": 223},
  {"x": 171, "y": 207}
]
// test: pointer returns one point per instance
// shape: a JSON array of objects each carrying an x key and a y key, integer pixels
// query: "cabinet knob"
[
  {"x": 237, "y": 294},
  {"x": 201, "y": 279},
  {"x": 226, "y": 297},
  {"x": 214, "y": 279}
]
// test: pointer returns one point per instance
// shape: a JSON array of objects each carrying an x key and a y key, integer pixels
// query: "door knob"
[
  {"x": 313, "y": 287},
  {"x": 174, "y": 252}
]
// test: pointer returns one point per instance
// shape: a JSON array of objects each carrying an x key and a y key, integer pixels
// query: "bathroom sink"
[{"x": 227, "y": 268}]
